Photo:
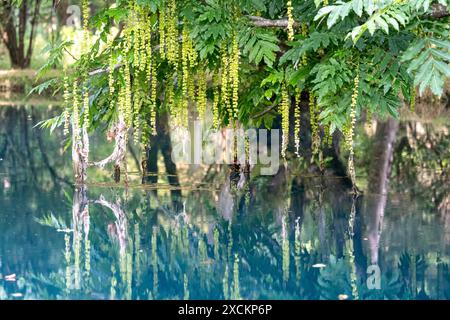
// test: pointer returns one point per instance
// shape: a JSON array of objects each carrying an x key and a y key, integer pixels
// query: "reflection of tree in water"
[
  {"x": 258, "y": 240},
  {"x": 244, "y": 257},
  {"x": 24, "y": 151}
]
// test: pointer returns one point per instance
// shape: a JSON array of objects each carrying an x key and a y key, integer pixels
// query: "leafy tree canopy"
[{"x": 243, "y": 58}]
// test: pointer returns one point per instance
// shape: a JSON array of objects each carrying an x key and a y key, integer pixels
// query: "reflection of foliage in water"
[
  {"x": 159, "y": 252},
  {"x": 178, "y": 259}
]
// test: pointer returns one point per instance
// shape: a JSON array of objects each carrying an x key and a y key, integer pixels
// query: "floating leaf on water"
[{"x": 11, "y": 277}]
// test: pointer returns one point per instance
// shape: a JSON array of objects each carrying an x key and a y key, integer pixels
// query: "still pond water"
[{"x": 290, "y": 236}]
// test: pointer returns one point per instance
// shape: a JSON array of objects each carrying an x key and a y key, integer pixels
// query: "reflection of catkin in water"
[
  {"x": 155, "y": 261},
  {"x": 285, "y": 248},
  {"x": 76, "y": 268},
  {"x": 236, "y": 294},
  {"x": 297, "y": 250},
  {"x": 137, "y": 253},
  {"x": 113, "y": 283},
  {"x": 230, "y": 241},
  {"x": 216, "y": 244},
  {"x": 87, "y": 243},
  {"x": 67, "y": 255},
  {"x": 186, "y": 288},
  {"x": 129, "y": 274},
  {"x": 350, "y": 252},
  {"x": 225, "y": 283}
]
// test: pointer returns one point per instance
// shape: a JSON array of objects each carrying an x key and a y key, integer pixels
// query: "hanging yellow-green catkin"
[
  {"x": 128, "y": 94},
  {"x": 170, "y": 100},
  {"x": 201, "y": 96},
  {"x": 315, "y": 139},
  {"x": 76, "y": 111},
  {"x": 66, "y": 97},
  {"x": 148, "y": 49},
  {"x": 224, "y": 82},
  {"x": 349, "y": 131},
  {"x": 297, "y": 121},
  {"x": 185, "y": 57},
  {"x": 172, "y": 32},
  {"x": 290, "y": 26},
  {"x": 112, "y": 66},
  {"x": 412, "y": 105},
  {"x": 137, "y": 104},
  {"x": 304, "y": 31},
  {"x": 145, "y": 39},
  {"x": 135, "y": 34},
  {"x": 285, "y": 104},
  {"x": 85, "y": 13},
  {"x": 234, "y": 76},
  {"x": 192, "y": 62},
  {"x": 153, "y": 89},
  {"x": 86, "y": 109},
  {"x": 162, "y": 30},
  {"x": 216, "y": 100},
  {"x": 327, "y": 136},
  {"x": 325, "y": 3}
]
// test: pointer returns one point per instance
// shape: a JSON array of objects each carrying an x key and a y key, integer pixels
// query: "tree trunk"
[
  {"x": 162, "y": 142},
  {"x": 17, "y": 40}
]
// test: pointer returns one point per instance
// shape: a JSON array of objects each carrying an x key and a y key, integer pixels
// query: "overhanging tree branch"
[
  {"x": 439, "y": 11},
  {"x": 269, "y": 23}
]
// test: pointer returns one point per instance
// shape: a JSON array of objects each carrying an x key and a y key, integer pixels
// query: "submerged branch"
[{"x": 121, "y": 223}]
